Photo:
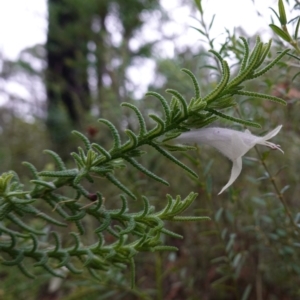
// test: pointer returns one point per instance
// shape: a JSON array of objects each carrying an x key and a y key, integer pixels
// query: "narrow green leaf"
[
  {"x": 211, "y": 22},
  {"x": 159, "y": 128},
  {"x": 17, "y": 259},
  {"x": 13, "y": 233},
  {"x": 199, "y": 6},
  {"x": 124, "y": 207},
  {"x": 263, "y": 96},
  {"x": 269, "y": 66},
  {"x": 223, "y": 83},
  {"x": 257, "y": 50},
  {"x": 132, "y": 142},
  {"x": 177, "y": 148},
  {"x": 296, "y": 75},
  {"x": 276, "y": 14},
  {"x": 47, "y": 218},
  {"x": 83, "y": 138},
  {"x": 72, "y": 268},
  {"x": 195, "y": 82},
  {"x": 52, "y": 271},
  {"x": 209, "y": 67},
  {"x": 171, "y": 233},
  {"x": 78, "y": 160},
  {"x": 146, "y": 208},
  {"x": 76, "y": 217},
  {"x": 79, "y": 227},
  {"x": 297, "y": 29},
  {"x": 197, "y": 106},
  {"x": 57, "y": 159},
  {"x": 101, "y": 150},
  {"x": 145, "y": 171},
  {"x": 23, "y": 269},
  {"x": 217, "y": 55},
  {"x": 246, "y": 55},
  {"x": 173, "y": 159},
  {"x": 280, "y": 33},
  {"x": 253, "y": 59},
  {"x": 81, "y": 174},
  {"x": 130, "y": 227},
  {"x": 32, "y": 168},
  {"x": 142, "y": 123},
  {"x": 115, "y": 134},
  {"x": 13, "y": 218},
  {"x": 199, "y": 30},
  {"x": 49, "y": 185},
  {"x": 294, "y": 56},
  {"x": 123, "y": 188},
  {"x": 265, "y": 50},
  {"x": 164, "y": 103},
  {"x": 64, "y": 173},
  {"x": 181, "y": 99},
  {"x": 105, "y": 224},
  {"x": 282, "y": 14},
  {"x": 247, "y": 292}
]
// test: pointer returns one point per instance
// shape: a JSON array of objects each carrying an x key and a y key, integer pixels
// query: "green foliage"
[
  {"x": 283, "y": 32},
  {"x": 23, "y": 242},
  {"x": 69, "y": 220},
  {"x": 133, "y": 232}
]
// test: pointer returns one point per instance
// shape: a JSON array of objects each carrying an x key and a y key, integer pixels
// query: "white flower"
[{"x": 231, "y": 143}]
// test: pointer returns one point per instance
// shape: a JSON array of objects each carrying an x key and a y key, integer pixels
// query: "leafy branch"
[{"x": 132, "y": 232}]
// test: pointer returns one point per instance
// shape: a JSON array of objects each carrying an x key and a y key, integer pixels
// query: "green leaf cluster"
[{"x": 132, "y": 232}]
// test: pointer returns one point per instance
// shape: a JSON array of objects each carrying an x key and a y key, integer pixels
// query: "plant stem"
[
  {"x": 276, "y": 188},
  {"x": 274, "y": 184},
  {"x": 159, "y": 281}
]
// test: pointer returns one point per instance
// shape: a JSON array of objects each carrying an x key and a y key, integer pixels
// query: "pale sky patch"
[{"x": 23, "y": 23}]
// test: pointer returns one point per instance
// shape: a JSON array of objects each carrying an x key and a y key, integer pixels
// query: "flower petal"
[
  {"x": 272, "y": 133},
  {"x": 238, "y": 145},
  {"x": 231, "y": 143},
  {"x": 235, "y": 172}
]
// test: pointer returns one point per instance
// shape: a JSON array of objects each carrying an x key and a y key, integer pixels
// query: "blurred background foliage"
[{"x": 250, "y": 249}]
